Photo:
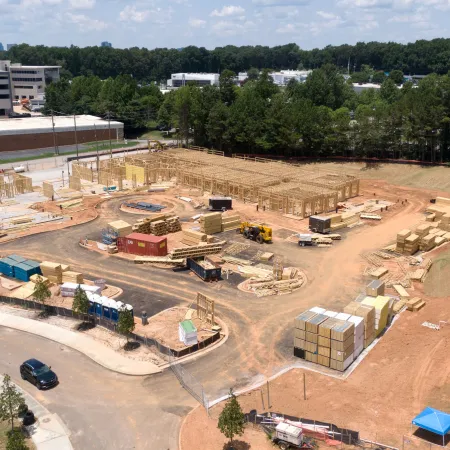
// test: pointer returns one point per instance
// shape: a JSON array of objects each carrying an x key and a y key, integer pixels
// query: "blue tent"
[{"x": 433, "y": 420}]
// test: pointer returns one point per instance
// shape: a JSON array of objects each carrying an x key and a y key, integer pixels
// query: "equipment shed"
[{"x": 143, "y": 244}]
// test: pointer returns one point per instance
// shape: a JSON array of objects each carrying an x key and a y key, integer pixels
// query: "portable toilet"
[
  {"x": 115, "y": 311},
  {"x": 98, "y": 306},
  {"x": 129, "y": 308},
  {"x": 108, "y": 305}
]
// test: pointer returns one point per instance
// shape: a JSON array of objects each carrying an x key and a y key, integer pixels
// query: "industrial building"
[
  {"x": 201, "y": 79},
  {"x": 45, "y": 132},
  {"x": 106, "y": 44},
  {"x": 5, "y": 91}
]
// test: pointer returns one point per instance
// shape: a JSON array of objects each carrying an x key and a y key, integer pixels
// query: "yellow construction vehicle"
[
  {"x": 255, "y": 232},
  {"x": 155, "y": 145}
]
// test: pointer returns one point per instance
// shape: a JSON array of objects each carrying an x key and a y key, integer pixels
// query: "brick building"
[{"x": 37, "y": 132}]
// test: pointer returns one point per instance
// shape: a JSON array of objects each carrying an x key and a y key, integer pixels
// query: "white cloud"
[
  {"x": 86, "y": 23},
  {"x": 280, "y": 2},
  {"x": 287, "y": 29},
  {"x": 197, "y": 23},
  {"x": 421, "y": 18},
  {"x": 366, "y": 3},
  {"x": 131, "y": 14},
  {"x": 326, "y": 15},
  {"x": 278, "y": 13},
  {"x": 82, "y": 4},
  {"x": 229, "y": 28},
  {"x": 227, "y": 11},
  {"x": 157, "y": 15}
]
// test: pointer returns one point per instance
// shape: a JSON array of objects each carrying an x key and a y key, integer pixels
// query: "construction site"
[{"x": 318, "y": 290}]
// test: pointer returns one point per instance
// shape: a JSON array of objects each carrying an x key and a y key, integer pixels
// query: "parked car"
[{"x": 38, "y": 373}]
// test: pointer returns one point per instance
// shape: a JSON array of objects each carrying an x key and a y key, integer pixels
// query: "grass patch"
[
  {"x": 104, "y": 145},
  {"x": 4, "y": 427},
  {"x": 27, "y": 158},
  {"x": 155, "y": 134}
]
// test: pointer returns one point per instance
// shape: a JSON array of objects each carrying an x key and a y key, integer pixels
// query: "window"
[
  {"x": 2, "y": 96},
  {"x": 27, "y": 79},
  {"x": 24, "y": 71},
  {"x": 24, "y": 96},
  {"x": 4, "y": 87},
  {"x": 31, "y": 97},
  {"x": 23, "y": 87},
  {"x": 16, "y": 97}
]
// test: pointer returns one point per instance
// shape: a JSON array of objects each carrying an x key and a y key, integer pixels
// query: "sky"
[{"x": 212, "y": 23}]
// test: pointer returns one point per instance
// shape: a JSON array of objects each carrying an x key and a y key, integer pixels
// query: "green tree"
[
  {"x": 397, "y": 76},
  {"x": 125, "y": 324},
  {"x": 80, "y": 302},
  {"x": 217, "y": 125},
  {"x": 16, "y": 440},
  {"x": 378, "y": 77},
  {"x": 10, "y": 401},
  {"x": 389, "y": 91},
  {"x": 227, "y": 87},
  {"x": 252, "y": 74},
  {"x": 41, "y": 291},
  {"x": 232, "y": 419}
]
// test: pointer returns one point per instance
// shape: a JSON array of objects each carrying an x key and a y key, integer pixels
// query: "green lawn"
[{"x": 156, "y": 135}]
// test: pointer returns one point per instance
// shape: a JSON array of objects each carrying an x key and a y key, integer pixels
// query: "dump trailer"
[
  {"x": 220, "y": 203},
  {"x": 255, "y": 232},
  {"x": 319, "y": 224},
  {"x": 204, "y": 268}
]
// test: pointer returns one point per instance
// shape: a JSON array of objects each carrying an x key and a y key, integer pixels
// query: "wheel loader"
[{"x": 255, "y": 232}]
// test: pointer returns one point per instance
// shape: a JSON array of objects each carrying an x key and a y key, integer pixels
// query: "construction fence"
[{"x": 149, "y": 342}]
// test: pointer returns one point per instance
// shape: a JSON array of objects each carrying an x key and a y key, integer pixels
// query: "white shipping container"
[{"x": 289, "y": 433}]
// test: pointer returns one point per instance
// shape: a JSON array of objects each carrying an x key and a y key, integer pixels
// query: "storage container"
[
  {"x": 143, "y": 244},
  {"x": 206, "y": 269},
  {"x": 7, "y": 267}
]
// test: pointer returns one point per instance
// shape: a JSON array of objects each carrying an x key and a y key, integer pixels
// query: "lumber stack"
[
  {"x": 445, "y": 222},
  {"x": 378, "y": 273},
  {"x": 158, "y": 228},
  {"x": 230, "y": 222},
  {"x": 367, "y": 312},
  {"x": 193, "y": 238},
  {"x": 72, "y": 277},
  {"x": 342, "y": 344},
  {"x": 412, "y": 243},
  {"x": 401, "y": 238},
  {"x": 52, "y": 271},
  {"x": 121, "y": 227},
  {"x": 343, "y": 220},
  {"x": 427, "y": 243},
  {"x": 34, "y": 279},
  {"x": 430, "y": 217},
  {"x": 375, "y": 288},
  {"x": 173, "y": 224},
  {"x": 200, "y": 250},
  {"x": 381, "y": 305},
  {"x": 415, "y": 304},
  {"x": 143, "y": 225},
  {"x": 211, "y": 223},
  {"x": 423, "y": 229}
]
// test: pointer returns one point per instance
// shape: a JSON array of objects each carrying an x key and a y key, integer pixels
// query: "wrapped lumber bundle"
[
  {"x": 173, "y": 224},
  {"x": 191, "y": 237},
  {"x": 52, "y": 271},
  {"x": 342, "y": 344},
  {"x": 375, "y": 287},
  {"x": 211, "y": 223},
  {"x": 34, "y": 279},
  {"x": 412, "y": 243},
  {"x": 381, "y": 305},
  {"x": 121, "y": 227},
  {"x": 230, "y": 222},
  {"x": 423, "y": 229},
  {"x": 72, "y": 277},
  {"x": 401, "y": 238},
  {"x": 427, "y": 243}
]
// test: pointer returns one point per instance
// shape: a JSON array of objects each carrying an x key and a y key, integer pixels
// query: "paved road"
[{"x": 103, "y": 410}]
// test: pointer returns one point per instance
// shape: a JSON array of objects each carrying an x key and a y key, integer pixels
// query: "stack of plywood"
[
  {"x": 401, "y": 238},
  {"x": 440, "y": 240},
  {"x": 423, "y": 229},
  {"x": 211, "y": 223},
  {"x": 343, "y": 220},
  {"x": 312, "y": 338},
  {"x": 52, "y": 271},
  {"x": 427, "y": 243},
  {"x": 231, "y": 222},
  {"x": 121, "y": 227},
  {"x": 300, "y": 333},
  {"x": 412, "y": 243},
  {"x": 375, "y": 287},
  {"x": 415, "y": 304},
  {"x": 381, "y": 305},
  {"x": 358, "y": 322},
  {"x": 158, "y": 228},
  {"x": 342, "y": 344},
  {"x": 378, "y": 273},
  {"x": 191, "y": 237},
  {"x": 173, "y": 224},
  {"x": 72, "y": 277},
  {"x": 367, "y": 312}
]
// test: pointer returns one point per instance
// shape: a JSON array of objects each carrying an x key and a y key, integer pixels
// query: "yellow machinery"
[
  {"x": 156, "y": 145},
  {"x": 255, "y": 232}
]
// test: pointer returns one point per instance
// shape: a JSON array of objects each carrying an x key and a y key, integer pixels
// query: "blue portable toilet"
[
  {"x": 98, "y": 306},
  {"x": 7, "y": 266},
  {"x": 107, "y": 307},
  {"x": 130, "y": 308},
  {"x": 116, "y": 310}
]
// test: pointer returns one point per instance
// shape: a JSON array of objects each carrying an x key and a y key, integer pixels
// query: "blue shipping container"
[
  {"x": 7, "y": 267},
  {"x": 24, "y": 270},
  {"x": 17, "y": 258}
]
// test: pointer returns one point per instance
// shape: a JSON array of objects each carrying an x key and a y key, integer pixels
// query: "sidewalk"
[
  {"x": 98, "y": 352},
  {"x": 49, "y": 432}
]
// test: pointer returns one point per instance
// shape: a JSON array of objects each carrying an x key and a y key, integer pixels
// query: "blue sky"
[{"x": 210, "y": 23}]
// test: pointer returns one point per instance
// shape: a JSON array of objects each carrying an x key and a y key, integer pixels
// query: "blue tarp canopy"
[{"x": 433, "y": 420}]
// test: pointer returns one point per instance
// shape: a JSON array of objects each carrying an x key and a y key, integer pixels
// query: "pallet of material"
[
  {"x": 72, "y": 277},
  {"x": 440, "y": 240},
  {"x": 398, "y": 306},
  {"x": 445, "y": 201},
  {"x": 52, "y": 271},
  {"x": 173, "y": 224},
  {"x": 158, "y": 228},
  {"x": 415, "y": 304},
  {"x": 378, "y": 273},
  {"x": 402, "y": 235},
  {"x": 400, "y": 290},
  {"x": 237, "y": 261},
  {"x": 423, "y": 229},
  {"x": 194, "y": 236},
  {"x": 427, "y": 243},
  {"x": 121, "y": 227},
  {"x": 211, "y": 223},
  {"x": 375, "y": 288},
  {"x": 230, "y": 222},
  {"x": 417, "y": 275},
  {"x": 412, "y": 243},
  {"x": 430, "y": 217},
  {"x": 200, "y": 250},
  {"x": 34, "y": 278}
]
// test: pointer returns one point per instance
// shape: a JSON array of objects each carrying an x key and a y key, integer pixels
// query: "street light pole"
[
  {"x": 109, "y": 133},
  {"x": 54, "y": 135},
  {"x": 75, "y": 124}
]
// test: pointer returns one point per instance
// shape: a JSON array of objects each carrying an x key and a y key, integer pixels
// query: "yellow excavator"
[
  {"x": 155, "y": 145},
  {"x": 255, "y": 232}
]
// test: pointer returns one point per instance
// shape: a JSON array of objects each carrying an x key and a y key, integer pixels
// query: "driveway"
[{"x": 103, "y": 410}]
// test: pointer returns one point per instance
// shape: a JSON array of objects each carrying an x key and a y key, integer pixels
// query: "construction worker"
[
  {"x": 60, "y": 207},
  {"x": 257, "y": 208}
]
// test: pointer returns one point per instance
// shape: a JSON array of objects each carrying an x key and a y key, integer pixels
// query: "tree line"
[
  {"x": 421, "y": 57},
  {"x": 322, "y": 117}
]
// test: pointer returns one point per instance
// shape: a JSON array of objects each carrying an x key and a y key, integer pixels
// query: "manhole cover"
[{"x": 46, "y": 420}]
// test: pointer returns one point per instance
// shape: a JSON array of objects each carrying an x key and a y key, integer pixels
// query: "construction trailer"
[
  {"x": 143, "y": 244},
  {"x": 293, "y": 189},
  {"x": 319, "y": 224},
  {"x": 220, "y": 203}
]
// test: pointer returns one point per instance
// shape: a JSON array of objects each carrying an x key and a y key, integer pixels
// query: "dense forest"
[
  {"x": 319, "y": 118},
  {"x": 420, "y": 58}
]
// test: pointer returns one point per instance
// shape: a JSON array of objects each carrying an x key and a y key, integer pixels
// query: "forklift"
[{"x": 258, "y": 233}]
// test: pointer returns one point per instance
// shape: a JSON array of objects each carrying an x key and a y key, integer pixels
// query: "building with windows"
[
  {"x": 178, "y": 80},
  {"x": 1, "y": 47},
  {"x": 29, "y": 82},
  {"x": 5, "y": 90},
  {"x": 106, "y": 44}
]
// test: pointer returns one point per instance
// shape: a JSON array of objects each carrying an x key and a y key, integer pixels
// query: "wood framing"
[{"x": 205, "y": 308}]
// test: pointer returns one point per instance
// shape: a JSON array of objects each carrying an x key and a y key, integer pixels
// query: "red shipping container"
[{"x": 143, "y": 244}]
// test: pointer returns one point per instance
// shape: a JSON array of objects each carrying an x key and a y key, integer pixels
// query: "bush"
[{"x": 16, "y": 440}]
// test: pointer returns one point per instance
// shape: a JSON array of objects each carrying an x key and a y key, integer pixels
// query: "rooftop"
[{"x": 43, "y": 124}]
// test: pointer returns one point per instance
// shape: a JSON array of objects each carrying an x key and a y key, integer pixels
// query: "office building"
[
  {"x": 5, "y": 90},
  {"x": 106, "y": 44},
  {"x": 29, "y": 82},
  {"x": 1, "y": 47},
  {"x": 178, "y": 80},
  {"x": 280, "y": 78},
  {"x": 10, "y": 46}
]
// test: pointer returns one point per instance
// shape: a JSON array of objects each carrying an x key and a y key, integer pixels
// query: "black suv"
[{"x": 38, "y": 374}]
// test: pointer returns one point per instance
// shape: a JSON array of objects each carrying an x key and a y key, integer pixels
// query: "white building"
[
  {"x": 178, "y": 80},
  {"x": 361, "y": 87},
  {"x": 280, "y": 78},
  {"x": 5, "y": 91},
  {"x": 29, "y": 82}
]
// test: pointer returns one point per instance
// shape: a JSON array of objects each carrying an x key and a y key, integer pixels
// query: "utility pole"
[
  {"x": 54, "y": 135},
  {"x": 109, "y": 133},
  {"x": 75, "y": 124},
  {"x": 96, "y": 146}
]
